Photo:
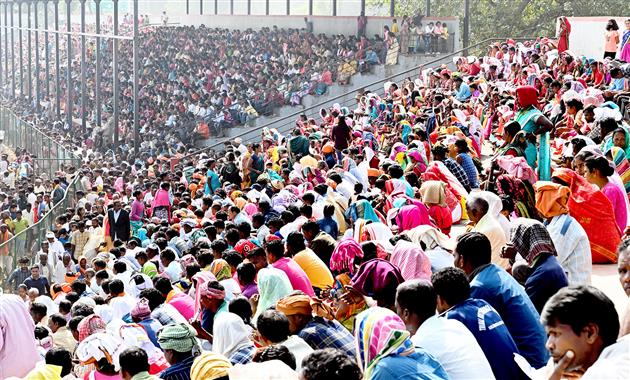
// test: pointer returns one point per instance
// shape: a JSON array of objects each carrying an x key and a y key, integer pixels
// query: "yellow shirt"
[
  {"x": 394, "y": 28},
  {"x": 315, "y": 269}
]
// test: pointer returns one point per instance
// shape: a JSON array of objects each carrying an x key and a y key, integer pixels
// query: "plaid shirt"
[
  {"x": 242, "y": 355},
  {"x": 17, "y": 277},
  {"x": 167, "y": 315},
  {"x": 320, "y": 333},
  {"x": 457, "y": 170}
]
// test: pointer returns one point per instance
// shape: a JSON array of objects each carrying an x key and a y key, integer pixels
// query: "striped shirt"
[
  {"x": 320, "y": 333},
  {"x": 457, "y": 171},
  {"x": 471, "y": 171},
  {"x": 573, "y": 248}
]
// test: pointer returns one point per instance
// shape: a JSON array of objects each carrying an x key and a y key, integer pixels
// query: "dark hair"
[
  {"x": 134, "y": 360},
  {"x": 451, "y": 284},
  {"x": 168, "y": 254},
  {"x": 418, "y": 297},
  {"x": 577, "y": 306},
  {"x": 624, "y": 245},
  {"x": 58, "y": 319},
  {"x": 329, "y": 211},
  {"x": 81, "y": 309},
  {"x": 116, "y": 287},
  {"x": 330, "y": 364},
  {"x": 61, "y": 357},
  {"x": 276, "y": 352},
  {"x": 162, "y": 284},
  {"x": 575, "y": 103},
  {"x": 39, "y": 308},
  {"x": 219, "y": 245},
  {"x": 462, "y": 145},
  {"x": 233, "y": 258},
  {"x": 475, "y": 248},
  {"x": 154, "y": 297},
  {"x": 246, "y": 273},
  {"x": 612, "y": 25},
  {"x": 601, "y": 164},
  {"x": 273, "y": 326},
  {"x": 41, "y": 332},
  {"x": 513, "y": 127},
  {"x": 241, "y": 307},
  {"x": 120, "y": 266},
  {"x": 73, "y": 324},
  {"x": 276, "y": 248},
  {"x": 295, "y": 240}
]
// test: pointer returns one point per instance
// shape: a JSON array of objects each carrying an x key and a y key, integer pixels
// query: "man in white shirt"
[
  {"x": 452, "y": 344},
  {"x": 582, "y": 327},
  {"x": 120, "y": 303},
  {"x": 55, "y": 247}
]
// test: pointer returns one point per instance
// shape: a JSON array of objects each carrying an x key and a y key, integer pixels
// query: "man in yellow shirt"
[
  {"x": 394, "y": 28},
  {"x": 315, "y": 269}
]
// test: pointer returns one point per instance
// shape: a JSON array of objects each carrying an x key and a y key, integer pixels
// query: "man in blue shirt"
[
  {"x": 497, "y": 287},
  {"x": 37, "y": 282},
  {"x": 178, "y": 342},
  {"x": 454, "y": 302}
]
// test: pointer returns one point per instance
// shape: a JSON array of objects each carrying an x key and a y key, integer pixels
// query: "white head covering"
[{"x": 230, "y": 334}]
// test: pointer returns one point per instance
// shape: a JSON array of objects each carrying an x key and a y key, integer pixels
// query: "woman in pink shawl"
[
  {"x": 161, "y": 206},
  {"x": 250, "y": 209},
  {"x": 411, "y": 260},
  {"x": 199, "y": 280}
]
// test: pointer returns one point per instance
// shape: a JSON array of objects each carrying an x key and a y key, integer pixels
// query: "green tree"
[{"x": 510, "y": 18}]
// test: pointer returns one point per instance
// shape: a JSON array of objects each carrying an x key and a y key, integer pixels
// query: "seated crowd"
[{"x": 336, "y": 252}]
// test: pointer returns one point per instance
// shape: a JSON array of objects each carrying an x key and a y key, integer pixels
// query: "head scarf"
[
  {"x": 178, "y": 337},
  {"x": 209, "y": 366},
  {"x": 230, "y": 334},
  {"x": 622, "y": 166},
  {"x": 376, "y": 276},
  {"x": 221, "y": 269},
  {"x": 343, "y": 255},
  {"x": 296, "y": 304},
  {"x": 433, "y": 192},
  {"x": 273, "y": 284},
  {"x": 379, "y": 333},
  {"x": 271, "y": 370},
  {"x": 200, "y": 279},
  {"x": 45, "y": 371},
  {"x": 411, "y": 260},
  {"x": 527, "y": 96},
  {"x": 212, "y": 293},
  {"x": 89, "y": 326},
  {"x": 530, "y": 238},
  {"x": 552, "y": 198},
  {"x": 362, "y": 210},
  {"x": 141, "y": 310}
]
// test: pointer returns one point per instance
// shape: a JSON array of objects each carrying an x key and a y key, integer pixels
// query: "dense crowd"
[{"x": 334, "y": 252}]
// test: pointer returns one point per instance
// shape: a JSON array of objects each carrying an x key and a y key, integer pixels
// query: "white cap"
[{"x": 50, "y": 235}]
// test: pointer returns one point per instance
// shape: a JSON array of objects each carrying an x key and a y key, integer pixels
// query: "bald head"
[{"x": 476, "y": 207}]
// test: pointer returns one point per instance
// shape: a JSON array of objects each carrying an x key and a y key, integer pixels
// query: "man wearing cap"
[
  {"x": 212, "y": 303},
  {"x": 180, "y": 349},
  {"x": 319, "y": 331},
  {"x": 119, "y": 225},
  {"x": 55, "y": 248}
]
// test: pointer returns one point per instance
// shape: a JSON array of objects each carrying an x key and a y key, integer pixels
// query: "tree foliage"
[{"x": 510, "y": 18}]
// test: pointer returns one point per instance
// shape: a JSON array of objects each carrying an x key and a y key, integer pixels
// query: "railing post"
[
  {"x": 2, "y": 49},
  {"x": 29, "y": 55},
  {"x": 6, "y": 43},
  {"x": 83, "y": 72},
  {"x": 116, "y": 88},
  {"x": 37, "y": 82},
  {"x": 334, "y": 7},
  {"x": 57, "y": 64},
  {"x": 310, "y": 7},
  {"x": 97, "y": 90},
  {"x": 136, "y": 106},
  {"x": 47, "y": 51},
  {"x": 288, "y": 7},
  {"x": 12, "y": 55},
  {"x": 69, "y": 105},
  {"x": 21, "y": 62},
  {"x": 249, "y": 7}
]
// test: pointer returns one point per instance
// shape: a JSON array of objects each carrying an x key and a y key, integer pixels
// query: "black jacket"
[{"x": 119, "y": 229}]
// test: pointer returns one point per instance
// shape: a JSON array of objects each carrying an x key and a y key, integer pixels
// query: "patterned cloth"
[
  {"x": 379, "y": 333},
  {"x": 90, "y": 325},
  {"x": 470, "y": 170},
  {"x": 221, "y": 269},
  {"x": 320, "y": 333},
  {"x": 344, "y": 254},
  {"x": 243, "y": 355},
  {"x": 530, "y": 238},
  {"x": 457, "y": 170},
  {"x": 167, "y": 315},
  {"x": 572, "y": 245},
  {"x": 179, "y": 337}
]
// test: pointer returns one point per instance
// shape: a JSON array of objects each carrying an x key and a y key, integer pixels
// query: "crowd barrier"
[{"x": 49, "y": 156}]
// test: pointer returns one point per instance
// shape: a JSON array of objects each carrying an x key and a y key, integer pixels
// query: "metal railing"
[
  {"x": 51, "y": 157},
  {"x": 348, "y": 99}
]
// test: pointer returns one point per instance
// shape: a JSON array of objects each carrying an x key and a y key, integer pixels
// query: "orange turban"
[{"x": 297, "y": 304}]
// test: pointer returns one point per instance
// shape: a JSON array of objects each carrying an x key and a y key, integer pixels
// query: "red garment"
[
  {"x": 565, "y": 30},
  {"x": 527, "y": 96},
  {"x": 592, "y": 209},
  {"x": 442, "y": 218}
]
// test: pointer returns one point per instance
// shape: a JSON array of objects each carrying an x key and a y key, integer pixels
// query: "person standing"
[
  {"x": 611, "y": 39},
  {"x": 624, "y": 51},
  {"x": 563, "y": 34},
  {"x": 361, "y": 24},
  {"x": 119, "y": 226}
]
